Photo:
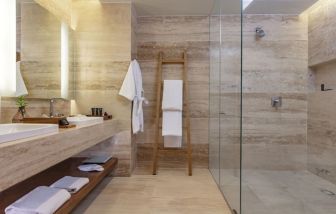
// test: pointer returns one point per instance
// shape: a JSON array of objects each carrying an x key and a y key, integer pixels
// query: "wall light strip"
[
  {"x": 65, "y": 60},
  {"x": 7, "y": 47}
]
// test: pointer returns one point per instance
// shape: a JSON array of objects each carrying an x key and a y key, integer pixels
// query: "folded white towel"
[
  {"x": 71, "y": 184},
  {"x": 172, "y": 99},
  {"x": 91, "y": 168},
  {"x": 172, "y": 123},
  {"x": 41, "y": 200}
]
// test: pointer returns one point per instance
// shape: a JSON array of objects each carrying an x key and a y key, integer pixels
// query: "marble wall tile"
[
  {"x": 103, "y": 52},
  {"x": 322, "y": 47},
  {"x": 321, "y": 134},
  {"x": 104, "y": 47},
  {"x": 200, "y": 157},
  {"x": 321, "y": 105},
  {"x": 172, "y": 35},
  {"x": 275, "y": 65}
]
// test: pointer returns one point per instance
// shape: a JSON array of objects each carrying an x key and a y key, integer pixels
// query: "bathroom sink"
[
  {"x": 85, "y": 121},
  {"x": 16, "y": 131}
]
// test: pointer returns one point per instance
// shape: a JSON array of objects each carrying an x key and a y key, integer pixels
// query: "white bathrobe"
[{"x": 133, "y": 91}]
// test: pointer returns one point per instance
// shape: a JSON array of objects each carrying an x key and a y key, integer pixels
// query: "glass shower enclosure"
[
  {"x": 271, "y": 128},
  {"x": 225, "y": 99}
]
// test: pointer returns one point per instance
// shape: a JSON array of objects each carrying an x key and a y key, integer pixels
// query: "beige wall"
[
  {"x": 275, "y": 65},
  {"x": 322, "y": 31},
  {"x": 172, "y": 35},
  {"x": 103, "y": 53},
  {"x": 321, "y": 105}
]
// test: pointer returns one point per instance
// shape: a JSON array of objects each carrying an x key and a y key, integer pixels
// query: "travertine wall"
[
  {"x": 322, "y": 31},
  {"x": 321, "y": 124},
  {"x": 321, "y": 105},
  {"x": 103, "y": 53},
  {"x": 275, "y": 65},
  {"x": 172, "y": 35}
]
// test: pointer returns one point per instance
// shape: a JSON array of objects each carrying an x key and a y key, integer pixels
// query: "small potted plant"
[{"x": 21, "y": 113}]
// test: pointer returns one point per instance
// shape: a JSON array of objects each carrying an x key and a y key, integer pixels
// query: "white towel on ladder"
[
  {"x": 172, "y": 99},
  {"x": 172, "y": 104}
]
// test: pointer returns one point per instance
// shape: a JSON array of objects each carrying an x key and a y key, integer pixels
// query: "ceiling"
[
  {"x": 173, "y": 7},
  {"x": 206, "y": 7},
  {"x": 170, "y": 7},
  {"x": 278, "y": 6}
]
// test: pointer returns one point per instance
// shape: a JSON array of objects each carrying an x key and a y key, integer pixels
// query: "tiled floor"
[
  {"x": 280, "y": 192},
  {"x": 170, "y": 192}
]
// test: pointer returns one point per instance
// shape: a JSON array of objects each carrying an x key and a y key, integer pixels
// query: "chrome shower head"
[{"x": 260, "y": 32}]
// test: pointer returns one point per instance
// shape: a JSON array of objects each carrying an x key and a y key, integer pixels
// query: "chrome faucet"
[
  {"x": 276, "y": 101},
  {"x": 52, "y": 112}
]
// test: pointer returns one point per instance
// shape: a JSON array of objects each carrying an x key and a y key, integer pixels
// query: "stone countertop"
[{"x": 24, "y": 158}]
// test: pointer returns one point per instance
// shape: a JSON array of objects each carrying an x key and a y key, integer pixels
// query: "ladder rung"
[
  {"x": 173, "y": 61},
  {"x": 184, "y": 127},
  {"x": 173, "y": 150}
]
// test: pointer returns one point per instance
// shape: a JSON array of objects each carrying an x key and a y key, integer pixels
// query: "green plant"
[{"x": 20, "y": 102}]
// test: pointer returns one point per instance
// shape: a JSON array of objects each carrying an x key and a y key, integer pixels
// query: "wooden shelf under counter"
[{"x": 49, "y": 176}]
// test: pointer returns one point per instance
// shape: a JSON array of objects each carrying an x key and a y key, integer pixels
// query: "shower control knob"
[{"x": 276, "y": 101}]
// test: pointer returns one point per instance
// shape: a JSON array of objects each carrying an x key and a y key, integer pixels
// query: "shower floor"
[{"x": 280, "y": 192}]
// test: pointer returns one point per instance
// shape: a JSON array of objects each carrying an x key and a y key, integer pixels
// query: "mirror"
[{"x": 45, "y": 51}]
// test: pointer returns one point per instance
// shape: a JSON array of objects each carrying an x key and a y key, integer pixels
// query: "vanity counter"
[{"x": 24, "y": 158}]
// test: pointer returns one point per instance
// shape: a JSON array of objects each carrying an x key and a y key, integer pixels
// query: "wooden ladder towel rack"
[{"x": 158, "y": 145}]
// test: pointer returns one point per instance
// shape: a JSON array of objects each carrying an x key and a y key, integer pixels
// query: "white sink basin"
[
  {"x": 16, "y": 131},
  {"x": 85, "y": 121}
]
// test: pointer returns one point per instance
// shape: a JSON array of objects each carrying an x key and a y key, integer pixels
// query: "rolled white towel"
[
  {"x": 71, "y": 184},
  {"x": 41, "y": 200},
  {"x": 91, "y": 168}
]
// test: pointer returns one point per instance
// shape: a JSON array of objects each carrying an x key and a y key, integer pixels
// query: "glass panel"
[
  {"x": 214, "y": 102},
  {"x": 277, "y": 178},
  {"x": 230, "y": 102},
  {"x": 225, "y": 98}
]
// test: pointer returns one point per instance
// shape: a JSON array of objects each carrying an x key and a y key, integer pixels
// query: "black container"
[{"x": 93, "y": 111}]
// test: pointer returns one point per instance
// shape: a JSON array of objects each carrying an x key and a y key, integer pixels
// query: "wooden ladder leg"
[
  {"x": 155, "y": 158},
  {"x": 187, "y": 112},
  {"x": 189, "y": 152},
  {"x": 157, "y": 118}
]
